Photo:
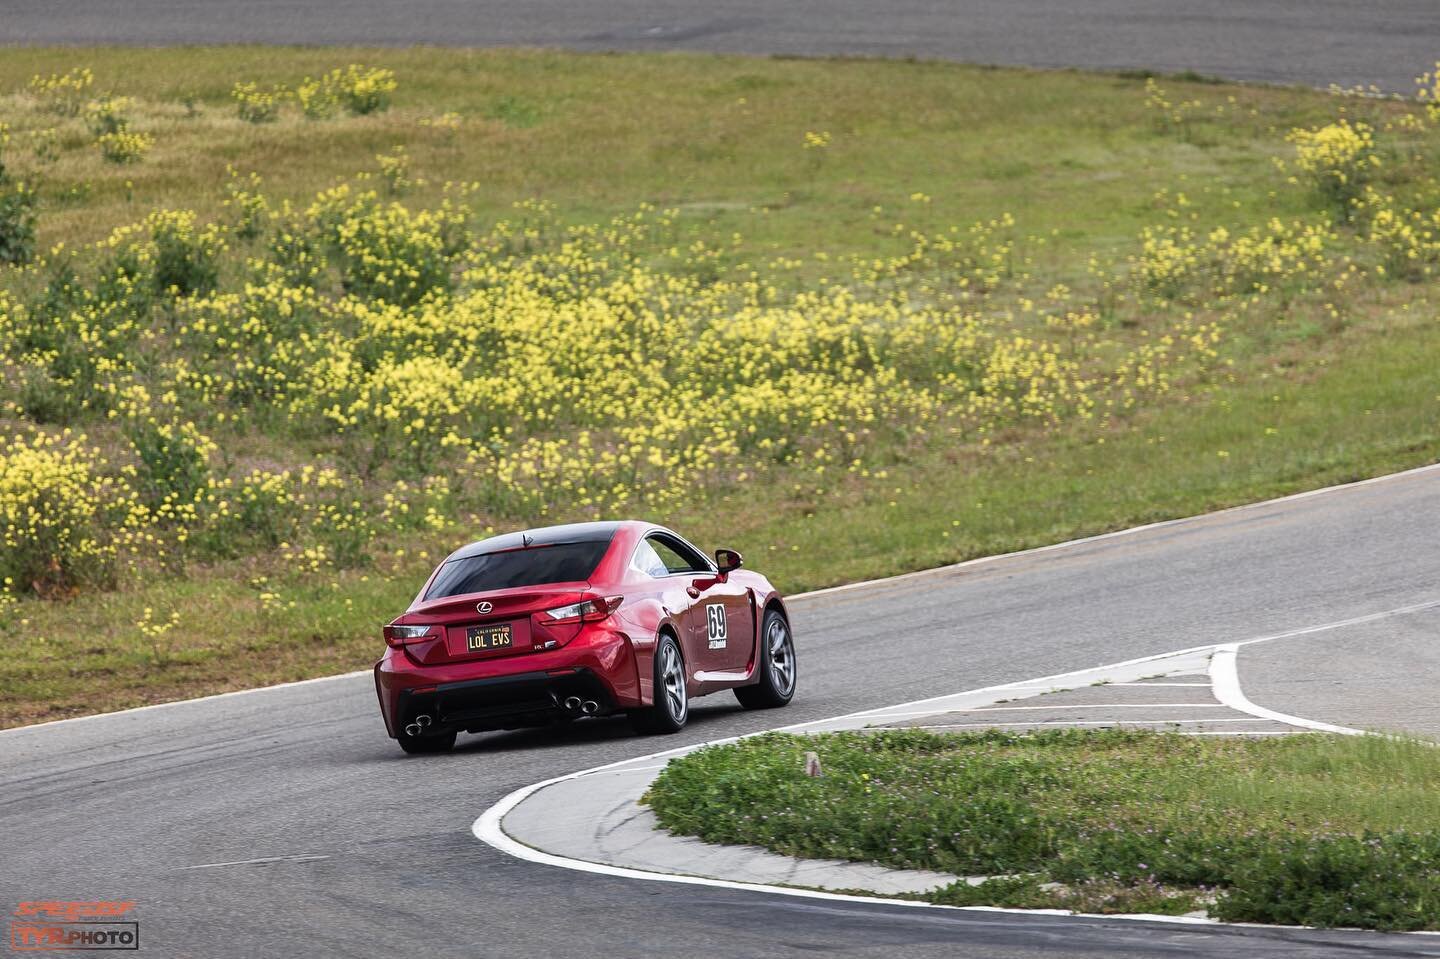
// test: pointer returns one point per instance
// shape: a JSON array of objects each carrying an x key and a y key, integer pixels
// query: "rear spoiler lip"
[{"x": 423, "y": 606}]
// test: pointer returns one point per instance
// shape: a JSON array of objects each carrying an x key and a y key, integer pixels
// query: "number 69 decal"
[{"x": 715, "y": 625}]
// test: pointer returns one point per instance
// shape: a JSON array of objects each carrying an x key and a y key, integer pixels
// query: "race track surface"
[
  {"x": 1314, "y": 42},
  {"x": 362, "y": 851}
]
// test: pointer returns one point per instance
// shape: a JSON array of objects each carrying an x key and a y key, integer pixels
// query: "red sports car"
[{"x": 589, "y": 619}]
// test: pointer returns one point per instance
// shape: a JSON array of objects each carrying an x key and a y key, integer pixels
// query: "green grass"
[
  {"x": 1305, "y": 400},
  {"x": 720, "y": 137},
  {"x": 1313, "y": 830}
]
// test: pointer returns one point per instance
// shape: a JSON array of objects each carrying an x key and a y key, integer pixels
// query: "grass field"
[
  {"x": 957, "y": 335},
  {"x": 1309, "y": 830}
]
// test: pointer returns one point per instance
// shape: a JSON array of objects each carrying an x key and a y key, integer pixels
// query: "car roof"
[{"x": 600, "y": 532}]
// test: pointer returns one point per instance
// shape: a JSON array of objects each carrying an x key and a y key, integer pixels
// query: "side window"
[
  {"x": 648, "y": 561},
  {"x": 676, "y": 556}
]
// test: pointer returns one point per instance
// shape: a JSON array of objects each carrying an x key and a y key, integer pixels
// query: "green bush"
[
  {"x": 107, "y": 115},
  {"x": 17, "y": 222},
  {"x": 124, "y": 147},
  {"x": 174, "y": 461},
  {"x": 364, "y": 90},
  {"x": 257, "y": 105},
  {"x": 1315, "y": 830},
  {"x": 186, "y": 259},
  {"x": 64, "y": 520},
  {"x": 17, "y": 213},
  {"x": 1388, "y": 881}
]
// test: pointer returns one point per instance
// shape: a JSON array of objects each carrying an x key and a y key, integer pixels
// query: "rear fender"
[{"x": 642, "y": 622}]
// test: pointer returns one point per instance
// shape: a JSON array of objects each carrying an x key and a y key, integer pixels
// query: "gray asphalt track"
[
  {"x": 374, "y": 855},
  {"x": 1314, "y": 42}
]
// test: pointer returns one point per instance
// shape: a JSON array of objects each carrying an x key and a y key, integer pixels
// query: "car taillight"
[
  {"x": 397, "y": 636},
  {"x": 588, "y": 610}
]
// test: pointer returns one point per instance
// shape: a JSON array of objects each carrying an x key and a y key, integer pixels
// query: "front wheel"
[
  {"x": 672, "y": 703},
  {"x": 777, "y": 666}
]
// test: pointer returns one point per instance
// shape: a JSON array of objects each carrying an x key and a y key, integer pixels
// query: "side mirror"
[{"x": 728, "y": 560}]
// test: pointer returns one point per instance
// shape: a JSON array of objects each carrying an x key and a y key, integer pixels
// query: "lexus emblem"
[{"x": 483, "y": 607}]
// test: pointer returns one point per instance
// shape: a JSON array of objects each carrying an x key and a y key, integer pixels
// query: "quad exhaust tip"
[
  {"x": 418, "y": 726},
  {"x": 573, "y": 703},
  {"x": 589, "y": 707}
]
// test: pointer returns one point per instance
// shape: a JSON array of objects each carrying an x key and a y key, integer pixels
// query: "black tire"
[
  {"x": 419, "y": 745},
  {"x": 777, "y": 666},
  {"x": 672, "y": 701}
]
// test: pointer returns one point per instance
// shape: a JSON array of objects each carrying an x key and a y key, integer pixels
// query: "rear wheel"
[
  {"x": 672, "y": 703},
  {"x": 777, "y": 666},
  {"x": 435, "y": 743}
]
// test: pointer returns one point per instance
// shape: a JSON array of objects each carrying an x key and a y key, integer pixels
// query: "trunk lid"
[{"x": 485, "y": 615}]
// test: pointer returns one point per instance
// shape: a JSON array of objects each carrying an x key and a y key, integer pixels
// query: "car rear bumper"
[{"x": 523, "y": 690}]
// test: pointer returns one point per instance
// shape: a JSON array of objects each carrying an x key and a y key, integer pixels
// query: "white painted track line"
[
  {"x": 1220, "y": 666},
  {"x": 1226, "y": 680},
  {"x": 1014, "y": 709},
  {"x": 1130, "y": 531},
  {"x": 1076, "y": 723},
  {"x": 181, "y": 702}
]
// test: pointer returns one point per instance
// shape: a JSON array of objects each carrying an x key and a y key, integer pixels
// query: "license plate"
[{"x": 488, "y": 637}]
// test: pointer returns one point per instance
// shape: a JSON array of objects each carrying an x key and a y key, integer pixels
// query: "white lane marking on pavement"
[
  {"x": 1012, "y": 709},
  {"x": 182, "y": 702},
  {"x": 1226, "y": 680},
  {"x": 1130, "y": 531},
  {"x": 488, "y": 826},
  {"x": 1054, "y": 681},
  {"x": 488, "y": 829},
  {"x": 1149, "y": 685},
  {"x": 1093, "y": 722},
  {"x": 1340, "y": 624},
  {"x": 638, "y": 769},
  {"x": 255, "y": 862}
]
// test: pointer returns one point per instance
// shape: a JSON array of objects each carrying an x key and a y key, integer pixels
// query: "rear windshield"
[{"x": 560, "y": 563}]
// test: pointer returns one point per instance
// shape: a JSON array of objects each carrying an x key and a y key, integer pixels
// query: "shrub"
[
  {"x": 174, "y": 461},
  {"x": 391, "y": 254},
  {"x": 17, "y": 212},
  {"x": 45, "y": 400},
  {"x": 107, "y": 115},
  {"x": 395, "y": 170},
  {"x": 319, "y": 99},
  {"x": 1337, "y": 160},
  {"x": 257, "y": 105},
  {"x": 63, "y": 93},
  {"x": 17, "y": 222},
  {"x": 45, "y": 145},
  {"x": 363, "y": 90},
  {"x": 124, "y": 147},
  {"x": 249, "y": 206},
  {"x": 296, "y": 255},
  {"x": 1387, "y": 881},
  {"x": 62, "y": 522},
  {"x": 186, "y": 259},
  {"x": 1408, "y": 243},
  {"x": 261, "y": 510}
]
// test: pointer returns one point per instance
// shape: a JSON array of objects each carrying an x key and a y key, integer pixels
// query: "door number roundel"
[{"x": 715, "y": 625}]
